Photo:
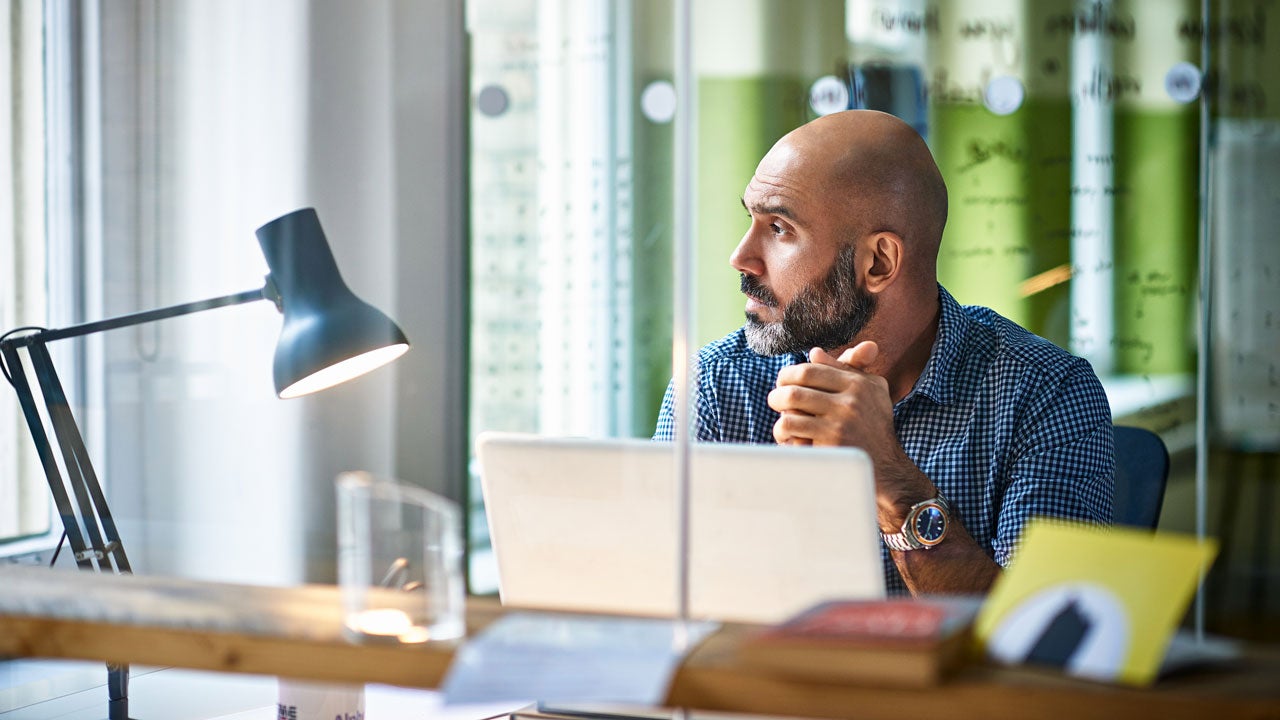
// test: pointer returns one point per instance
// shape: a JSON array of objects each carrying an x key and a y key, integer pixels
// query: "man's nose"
[{"x": 745, "y": 258}]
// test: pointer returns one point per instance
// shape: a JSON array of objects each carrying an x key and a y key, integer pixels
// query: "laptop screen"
[{"x": 590, "y": 525}]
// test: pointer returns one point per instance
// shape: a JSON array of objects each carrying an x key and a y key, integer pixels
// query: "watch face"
[{"x": 930, "y": 525}]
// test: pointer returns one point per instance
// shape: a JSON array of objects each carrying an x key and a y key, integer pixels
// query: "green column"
[
  {"x": 1157, "y": 190},
  {"x": 1008, "y": 237}
]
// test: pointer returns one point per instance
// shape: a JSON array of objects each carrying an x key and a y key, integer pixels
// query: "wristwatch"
[{"x": 926, "y": 526}]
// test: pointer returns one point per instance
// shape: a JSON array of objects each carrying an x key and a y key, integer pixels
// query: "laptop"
[{"x": 590, "y": 525}]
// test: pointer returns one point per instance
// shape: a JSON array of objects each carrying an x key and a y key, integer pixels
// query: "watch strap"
[{"x": 899, "y": 541}]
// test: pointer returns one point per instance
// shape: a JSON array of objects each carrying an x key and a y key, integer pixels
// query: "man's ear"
[{"x": 885, "y": 253}]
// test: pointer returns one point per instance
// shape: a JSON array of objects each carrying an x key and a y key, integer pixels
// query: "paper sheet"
[{"x": 571, "y": 658}]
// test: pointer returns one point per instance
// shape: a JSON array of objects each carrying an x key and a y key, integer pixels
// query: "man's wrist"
[
  {"x": 891, "y": 521},
  {"x": 910, "y": 489}
]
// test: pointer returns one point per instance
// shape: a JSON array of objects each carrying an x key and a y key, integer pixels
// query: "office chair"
[{"x": 1142, "y": 469}]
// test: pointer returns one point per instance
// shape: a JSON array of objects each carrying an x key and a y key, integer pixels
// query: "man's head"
[{"x": 846, "y": 214}]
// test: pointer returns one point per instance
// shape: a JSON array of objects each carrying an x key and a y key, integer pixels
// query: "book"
[{"x": 901, "y": 642}]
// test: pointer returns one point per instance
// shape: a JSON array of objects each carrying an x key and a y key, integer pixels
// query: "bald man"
[{"x": 973, "y": 424}]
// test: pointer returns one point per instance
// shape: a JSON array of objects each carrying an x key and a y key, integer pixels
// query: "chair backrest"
[{"x": 1142, "y": 469}]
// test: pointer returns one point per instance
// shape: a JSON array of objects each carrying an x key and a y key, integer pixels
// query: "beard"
[{"x": 827, "y": 314}]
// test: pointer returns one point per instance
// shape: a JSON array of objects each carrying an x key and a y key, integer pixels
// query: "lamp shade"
[{"x": 329, "y": 335}]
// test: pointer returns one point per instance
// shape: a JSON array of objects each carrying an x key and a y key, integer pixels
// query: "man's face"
[
  {"x": 826, "y": 314},
  {"x": 797, "y": 259}
]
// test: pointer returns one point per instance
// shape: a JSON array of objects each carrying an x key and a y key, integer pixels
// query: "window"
[
  {"x": 43, "y": 248},
  {"x": 570, "y": 333},
  {"x": 25, "y": 515}
]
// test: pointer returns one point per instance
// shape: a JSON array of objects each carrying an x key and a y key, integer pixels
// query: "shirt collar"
[{"x": 938, "y": 380}]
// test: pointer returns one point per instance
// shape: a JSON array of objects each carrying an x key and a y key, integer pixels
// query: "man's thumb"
[{"x": 861, "y": 356}]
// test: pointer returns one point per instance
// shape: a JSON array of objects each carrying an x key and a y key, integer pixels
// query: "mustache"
[{"x": 752, "y": 286}]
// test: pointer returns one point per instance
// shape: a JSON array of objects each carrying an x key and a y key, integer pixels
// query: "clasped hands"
[
  {"x": 834, "y": 401},
  {"x": 838, "y": 401}
]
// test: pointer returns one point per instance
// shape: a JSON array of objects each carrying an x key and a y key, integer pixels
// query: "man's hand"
[{"x": 835, "y": 401}]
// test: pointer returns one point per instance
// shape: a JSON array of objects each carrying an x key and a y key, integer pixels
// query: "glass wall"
[
  {"x": 1241, "y": 200},
  {"x": 1112, "y": 188},
  {"x": 570, "y": 219}
]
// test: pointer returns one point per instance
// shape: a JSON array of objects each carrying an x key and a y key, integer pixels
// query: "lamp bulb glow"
[{"x": 343, "y": 371}]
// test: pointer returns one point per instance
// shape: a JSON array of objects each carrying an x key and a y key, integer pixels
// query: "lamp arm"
[{"x": 139, "y": 318}]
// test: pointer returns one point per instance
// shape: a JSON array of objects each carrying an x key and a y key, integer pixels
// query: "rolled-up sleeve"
[{"x": 1065, "y": 466}]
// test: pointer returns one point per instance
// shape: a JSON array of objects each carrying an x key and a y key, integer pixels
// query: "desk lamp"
[{"x": 329, "y": 336}]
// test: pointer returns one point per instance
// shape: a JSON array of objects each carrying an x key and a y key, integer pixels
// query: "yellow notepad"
[{"x": 1099, "y": 603}]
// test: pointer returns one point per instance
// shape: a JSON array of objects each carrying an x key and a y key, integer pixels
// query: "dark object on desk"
[
  {"x": 329, "y": 336},
  {"x": 899, "y": 642},
  {"x": 1142, "y": 470},
  {"x": 1061, "y": 639}
]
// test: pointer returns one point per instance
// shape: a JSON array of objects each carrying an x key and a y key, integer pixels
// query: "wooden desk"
[
  {"x": 712, "y": 678},
  {"x": 206, "y": 626},
  {"x": 298, "y": 632}
]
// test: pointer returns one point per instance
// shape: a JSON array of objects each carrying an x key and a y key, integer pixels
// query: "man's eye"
[{"x": 776, "y": 228}]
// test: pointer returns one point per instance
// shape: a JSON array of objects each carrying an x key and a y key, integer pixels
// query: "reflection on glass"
[
  {"x": 1075, "y": 201},
  {"x": 1243, "y": 375}
]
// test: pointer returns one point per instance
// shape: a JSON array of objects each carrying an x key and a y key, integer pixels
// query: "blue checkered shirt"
[{"x": 1006, "y": 424}]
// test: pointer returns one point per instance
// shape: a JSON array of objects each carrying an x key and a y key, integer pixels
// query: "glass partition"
[
  {"x": 1240, "y": 204},
  {"x": 1111, "y": 188}
]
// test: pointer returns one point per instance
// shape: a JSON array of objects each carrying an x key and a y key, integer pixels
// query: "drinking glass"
[{"x": 399, "y": 561}]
